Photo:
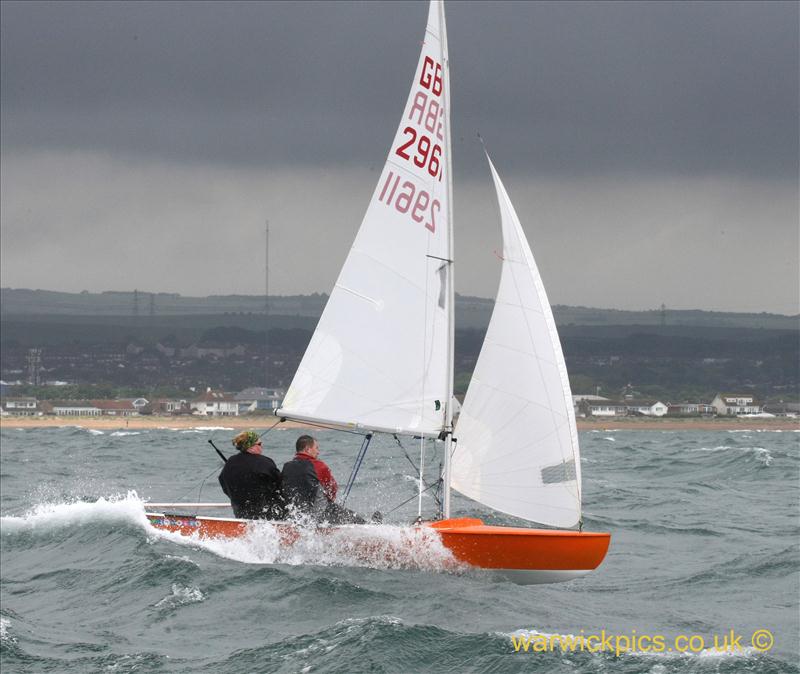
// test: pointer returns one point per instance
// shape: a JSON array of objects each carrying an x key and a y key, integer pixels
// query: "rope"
[
  {"x": 214, "y": 470},
  {"x": 279, "y": 421},
  {"x": 202, "y": 484}
]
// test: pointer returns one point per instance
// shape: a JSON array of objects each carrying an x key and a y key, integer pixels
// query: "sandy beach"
[{"x": 236, "y": 423}]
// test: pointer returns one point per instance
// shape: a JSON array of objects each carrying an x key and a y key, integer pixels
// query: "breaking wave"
[
  {"x": 374, "y": 546},
  {"x": 52, "y": 516}
]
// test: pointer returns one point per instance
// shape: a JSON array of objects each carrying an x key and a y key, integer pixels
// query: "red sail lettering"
[
  {"x": 431, "y": 80},
  {"x": 426, "y": 77},
  {"x": 422, "y": 203},
  {"x": 408, "y": 131},
  {"x": 423, "y": 149},
  {"x": 418, "y": 107},
  {"x": 437, "y": 81},
  {"x": 405, "y": 197},
  {"x": 432, "y": 224},
  {"x": 431, "y": 117}
]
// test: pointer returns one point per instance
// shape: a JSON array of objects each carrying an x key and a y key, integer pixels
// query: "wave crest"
[{"x": 53, "y": 516}]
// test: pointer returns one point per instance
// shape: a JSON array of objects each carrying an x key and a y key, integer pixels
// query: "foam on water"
[
  {"x": 5, "y": 637},
  {"x": 202, "y": 429},
  {"x": 760, "y": 453},
  {"x": 122, "y": 434},
  {"x": 181, "y": 595},
  {"x": 51, "y": 516},
  {"x": 372, "y": 546},
  {"x": 183, "y": 558}
]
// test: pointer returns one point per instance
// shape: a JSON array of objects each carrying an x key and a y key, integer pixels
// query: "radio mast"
[{"x": 266, "y": 307}]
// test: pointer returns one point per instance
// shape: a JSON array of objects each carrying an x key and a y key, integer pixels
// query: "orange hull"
[{"x": 521, "y": 555}]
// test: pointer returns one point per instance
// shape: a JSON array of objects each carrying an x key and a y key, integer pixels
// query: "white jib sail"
[
  {"x": 378, "y": 358},
  {"x": 517, "y": 449}
]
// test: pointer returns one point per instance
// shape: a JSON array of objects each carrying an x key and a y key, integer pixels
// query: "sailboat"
[{"x": 381, "y": 361}]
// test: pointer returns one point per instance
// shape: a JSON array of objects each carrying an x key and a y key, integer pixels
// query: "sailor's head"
[
  {"x": 248, "y": 441},
  {"x": 307, "y": 445}
]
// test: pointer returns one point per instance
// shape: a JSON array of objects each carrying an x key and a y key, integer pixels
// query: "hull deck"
[{"x": 521, "y": 555}]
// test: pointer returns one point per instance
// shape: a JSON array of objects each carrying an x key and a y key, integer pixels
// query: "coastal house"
[
  {"x": 690, "y": 409},
  {"x": 20, "y": 407},
  {"x": 75, "y": 408},
  {"x": 731, "y": 404},
  {"x": 782, "y": 409},
  {"x": 581, "y": 402},
  {"x": 167, "y": 406},
  {"x": 259, "y": 399},
  {"x": 604, "y": 408},
  {"x": 116, "y": 408},
  {"x": 646, "y": 408},
  {"x": 215, "y": 404}
]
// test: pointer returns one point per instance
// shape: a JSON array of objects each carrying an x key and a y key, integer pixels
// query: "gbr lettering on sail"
[{"x": 416, "y": 164}]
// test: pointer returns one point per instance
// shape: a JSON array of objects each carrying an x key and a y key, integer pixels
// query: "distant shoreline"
[{"x": 237, "y": 423}]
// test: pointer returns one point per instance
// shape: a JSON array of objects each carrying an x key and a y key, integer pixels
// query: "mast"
[
  {"x": 448, "y": 418},
  {"x": 266, "y": 309}
]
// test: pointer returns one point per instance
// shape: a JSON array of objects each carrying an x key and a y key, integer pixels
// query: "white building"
[
  {"x": 75, "y": 408},
  {"x": 580, "y": 403},
  {"x": 25, "y": 407},
  {"x": 215, "y": 404},
  {"x": 255, "y": 398},
  {"x": 647, "y": 408},
  {"x": 731, "y": 404},
  {"x": 690, "y": 409},
  {"x": 604, "y": 408}
]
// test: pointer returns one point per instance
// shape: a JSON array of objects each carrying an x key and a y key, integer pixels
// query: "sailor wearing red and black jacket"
[{"x": 310, "y": 488}]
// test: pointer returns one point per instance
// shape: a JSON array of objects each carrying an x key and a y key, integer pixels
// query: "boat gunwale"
[{"x": 472, "y": 529}]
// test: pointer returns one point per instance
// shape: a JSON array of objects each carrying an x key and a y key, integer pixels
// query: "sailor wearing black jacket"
[{"x": 252, "y": 481}]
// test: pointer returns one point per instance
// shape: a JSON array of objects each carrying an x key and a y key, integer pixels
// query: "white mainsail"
[
  {"x": 517, "y": 443},
  {"x": 379, "y": 356}
]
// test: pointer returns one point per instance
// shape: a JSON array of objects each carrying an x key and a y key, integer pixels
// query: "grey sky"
[{"x": 651, "y": 149}]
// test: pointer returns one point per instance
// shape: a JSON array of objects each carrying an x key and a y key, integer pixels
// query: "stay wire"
[
  {"x": 214, "y": 470},
  {"x": 408, "y": 500},
  {"x": 356, "y": 467},
  {"x": 410, "y": 460},
  {"x": 436, "y": 496}
]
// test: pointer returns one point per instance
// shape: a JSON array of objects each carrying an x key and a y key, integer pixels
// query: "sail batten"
[
  {"x": 517, "y": 448},
  {"x": 379, "y": 355}
]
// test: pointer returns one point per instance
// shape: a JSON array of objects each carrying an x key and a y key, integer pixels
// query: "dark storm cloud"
[
  {"x": 650, "y": 148},
  {"x": 562, "y": 88}
]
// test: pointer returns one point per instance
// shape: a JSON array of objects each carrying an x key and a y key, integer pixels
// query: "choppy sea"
[{"x": 705, "y": 526}]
